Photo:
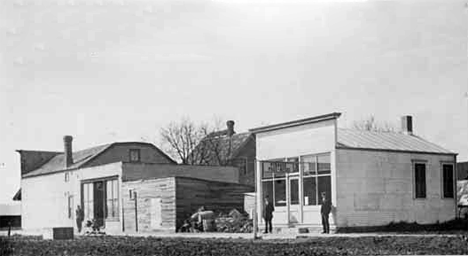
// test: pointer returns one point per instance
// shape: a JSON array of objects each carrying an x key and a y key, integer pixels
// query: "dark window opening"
[
  {"x": 447, "y": 176},
  {"x": 134, "y": 155},
  {"x": 420, "y": 180}
]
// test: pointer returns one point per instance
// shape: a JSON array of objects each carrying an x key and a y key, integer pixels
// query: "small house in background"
[
  {"x": 10, "y": 215},
  {"x": 372, "y": 178},
  {"x": 228, "y": 148},
  {"x": 123, "y": 186}
]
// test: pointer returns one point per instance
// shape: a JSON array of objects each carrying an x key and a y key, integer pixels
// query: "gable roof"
[
  {"x": 392, "y": 141},
  {"x": 228, "y": 147},
  {"x": 81, "y": 158}
]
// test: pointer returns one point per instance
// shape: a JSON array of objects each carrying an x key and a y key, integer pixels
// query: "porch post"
[{"x": 259, "y": 192}]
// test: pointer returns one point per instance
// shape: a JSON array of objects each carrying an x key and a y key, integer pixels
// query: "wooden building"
[
  {"x": 123, "y": 186},
  {"x": 372, "y": 178}
]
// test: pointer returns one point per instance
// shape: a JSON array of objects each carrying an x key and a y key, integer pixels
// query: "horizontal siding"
[
  {"x": 138, "y": 171},
  {"x": 376, "y": 188},
  {"x": 147, "y": 190},
  {"x": 217, "y": 196}
]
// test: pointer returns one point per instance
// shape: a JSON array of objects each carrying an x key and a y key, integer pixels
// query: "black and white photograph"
[{"x": 233, "y": 127}]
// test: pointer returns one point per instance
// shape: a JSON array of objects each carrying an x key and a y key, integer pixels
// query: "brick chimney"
[
  {"x": 68, "y": 151},
  {"x": 230, "y": 128},
  {"x": 407, "y": 125}
]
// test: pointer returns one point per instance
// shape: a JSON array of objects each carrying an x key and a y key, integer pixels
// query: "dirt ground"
[{"x": 113, "y": 245}]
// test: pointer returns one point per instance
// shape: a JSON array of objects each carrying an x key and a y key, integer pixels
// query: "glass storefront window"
[
  {"x": 280, "y": 192},
  {"x": 324, "y": 185},
  {"x": 308, "y": 165},
  {"x": 310, "y": 191},
  {"x": 294, "y": 188},
  {"x": 267, "y": 188},
  {"x": 323, "y": 164}
]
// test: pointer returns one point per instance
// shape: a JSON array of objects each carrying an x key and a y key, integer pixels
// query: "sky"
[{"x": 119, "y": 70}]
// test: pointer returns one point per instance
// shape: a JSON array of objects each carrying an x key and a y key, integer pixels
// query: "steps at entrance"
[{"x": 298, "y": 230}]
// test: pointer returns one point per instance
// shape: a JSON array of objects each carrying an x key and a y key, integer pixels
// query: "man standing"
[
  {"x": 268, "y": 210},
  {"x": 79, "y": 217},
  {"x": 325, "y": 211}
]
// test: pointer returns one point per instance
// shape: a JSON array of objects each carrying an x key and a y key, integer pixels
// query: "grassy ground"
[{"x": 108, "y": 245}]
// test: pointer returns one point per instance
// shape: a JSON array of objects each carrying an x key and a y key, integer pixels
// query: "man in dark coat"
[
  {"x": 79, "y": 214},
  {"x": 325, "y": 210},
  {"x": 268, "y": 210}
]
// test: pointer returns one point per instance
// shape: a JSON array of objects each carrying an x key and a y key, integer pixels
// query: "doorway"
[
  {"x": 294, "y": 204},
  {"x": 94, "y": 201}
]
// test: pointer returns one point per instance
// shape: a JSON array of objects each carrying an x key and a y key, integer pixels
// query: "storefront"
[
  {"x": 294, "y": 186},
  {"x": 295, "y": 166}
]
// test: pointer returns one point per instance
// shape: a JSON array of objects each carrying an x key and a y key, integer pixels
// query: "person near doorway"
[
  {"x": 325, "y": 210},
  {"x": 268, "y": 210},
  {"x": 79, "y": 218}
]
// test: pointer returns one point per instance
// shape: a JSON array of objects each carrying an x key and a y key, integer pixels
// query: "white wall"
[
  {"x": 45, "y": 198},
  {"x": 375, "y": 188},
  {"x": 293, "y": 142},
  {"x": 296, "y": 141}
]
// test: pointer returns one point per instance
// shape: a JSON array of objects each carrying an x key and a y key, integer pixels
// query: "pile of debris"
[{"x": 233, "y": 222}]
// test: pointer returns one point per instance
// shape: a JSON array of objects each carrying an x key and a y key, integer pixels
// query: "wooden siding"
[
  {"x": 147, "y": 190},
  {"x": 121, "y": 153},
  {"x": 138, "y": 171},
  {"x": 217, "y": 196}
]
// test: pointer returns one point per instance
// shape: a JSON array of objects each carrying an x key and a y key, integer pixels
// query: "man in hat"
[
  {"x": 268, "y": 210},
  {"x": 79, "y": 214},
  {"x": 325, "y": 210}
]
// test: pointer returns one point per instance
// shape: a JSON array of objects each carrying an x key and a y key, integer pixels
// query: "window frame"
[
  {"x": 316, "y": 176},
  {"x": 114, "y": 199},
  {"x": 132, "y": 150},
  {"x": 414, "y": 162},
  {"x": 442, "y": 184}
]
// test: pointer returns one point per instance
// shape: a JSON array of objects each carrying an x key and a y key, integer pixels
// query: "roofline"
[
  {"x": 242, "y": 145},
  {"x": 41, "y": 151},
  {"x": 310, "y": 120},
  {"x": 26, "y": 176},
  {"x": 397, "y": 151},
  {"x": 123, "y": 143}
]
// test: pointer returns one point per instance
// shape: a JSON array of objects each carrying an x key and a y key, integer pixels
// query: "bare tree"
[
  {"x": 371, "y": 124},
  {"x": 194, "y": 144}
]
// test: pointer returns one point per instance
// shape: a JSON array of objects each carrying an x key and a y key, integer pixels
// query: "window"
[
  {"x": 88, "y": 201},
  {"x": 112, "y": 195},
  {"x": 420, "y": 180},
  {"x": 67, "y": 176},
  {"x": 294, "y": 188},
  {"x": 280, "y": 192},
  {"x": 447, "y": 180},
  {"x": 316, "y": 178},
  {"x": 134, "y": 155},
  {"x": 70, "y": 207}
]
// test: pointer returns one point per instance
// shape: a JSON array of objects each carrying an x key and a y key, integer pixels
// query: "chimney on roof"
[
  {"x": 230, "y": 128},
  {"x": 67, "y": 143},
  {"x": 407, "y": 125}
]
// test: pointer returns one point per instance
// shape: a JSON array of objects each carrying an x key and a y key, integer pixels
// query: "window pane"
[
  {"x": 267, "y": 189},
  {"x": 280, "y": 169},
  {"x": 280, "y": 192},
  {"x": 116, "y": 208},
  {"x": 420, "y": 180},
  {"x": 308, "y": 164},
  {"x": 324, "y": 165},
  {"x": 115, "y": 188},
  {"x": 294, "y": 187},
  {"x": 324, "y": 185},
  {"x": 310, "y": 191},
  {"x": 267, "y": 170},
  {"x": 448, "y": 180}
]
